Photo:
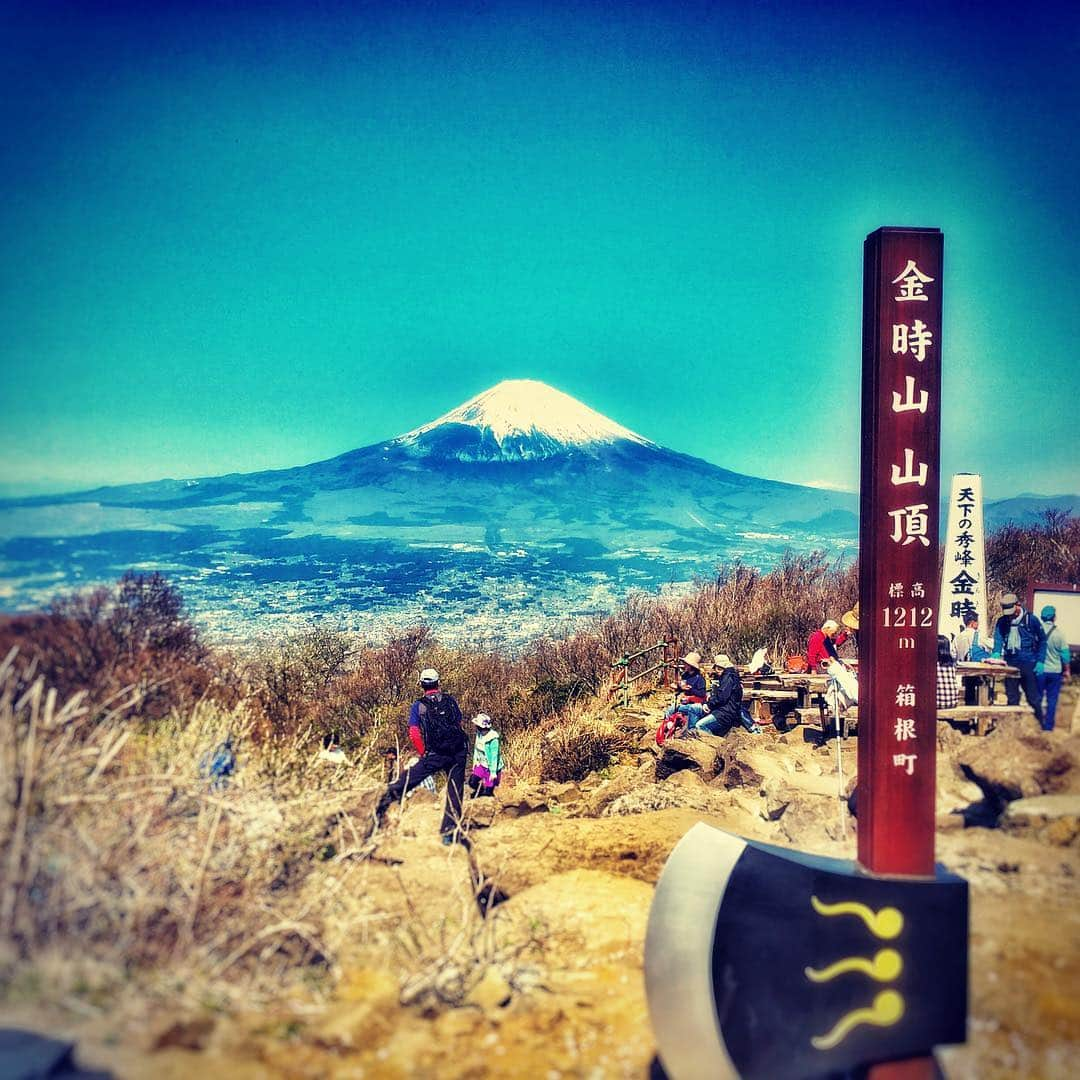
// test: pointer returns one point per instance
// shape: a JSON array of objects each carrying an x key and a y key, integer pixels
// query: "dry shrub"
[
  {"x": 291, "y": 678},
  {"x": 523, "y": 752},
  {"x": 133, "y": 635},
  {"x": 1019, "y": 555},
  {"x": 580, "y": 744}
]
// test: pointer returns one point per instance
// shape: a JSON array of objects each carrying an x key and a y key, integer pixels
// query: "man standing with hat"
[
  {"x": 1056, "y": 667},
  {"x": 436, "y": 732},
  {"x": 1020, "y": 640}
]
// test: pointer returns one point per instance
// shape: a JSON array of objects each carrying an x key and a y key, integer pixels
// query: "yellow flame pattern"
[
  {"x": 887, "y": 1009},
  {"x": 885, "y": 924},
  {"x": 885, "y": 966}
]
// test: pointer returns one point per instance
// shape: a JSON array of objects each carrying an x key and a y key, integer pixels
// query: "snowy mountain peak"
[{"x": 525, "y": 418}]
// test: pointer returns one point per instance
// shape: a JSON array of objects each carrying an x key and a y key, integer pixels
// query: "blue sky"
[{"x": 249, "y": 236}]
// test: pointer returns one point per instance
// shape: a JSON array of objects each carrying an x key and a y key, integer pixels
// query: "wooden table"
[
  {"x": 788, "y": 693},
  {"x": 783, "y": 692},
  {"x": 983, "y": 678}
]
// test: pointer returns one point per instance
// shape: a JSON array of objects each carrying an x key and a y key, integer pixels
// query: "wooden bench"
[
  {"x": 763, "y": 704},
  {"x": 976, "y": 715}
]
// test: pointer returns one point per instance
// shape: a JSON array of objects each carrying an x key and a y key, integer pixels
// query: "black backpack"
[{"x": 440, "y": 724}]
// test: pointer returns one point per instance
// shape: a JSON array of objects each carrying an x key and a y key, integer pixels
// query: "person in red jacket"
[
  {"x": 436, "y": 732},
  {"x": 822, "y": 645}
]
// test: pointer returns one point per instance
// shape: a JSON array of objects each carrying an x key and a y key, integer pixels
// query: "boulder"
[
  {"x": 482, "y": 811},
  {"x": 777, "y": 796},
  {"x": 686, "y": 778},
  {"x": 671, "y": 794},
  {"x": 523, "y": 799},
  {"x": 955, "y": 791},
  {"x": 1054, "y": 819},
  {"x": 1016, "y": 762},
  {"x": 623, "y": 780},
  {"x": 806, "y": 822},
  {"x": 689, "y": 752},
  {"x": 734, "y": 773}
]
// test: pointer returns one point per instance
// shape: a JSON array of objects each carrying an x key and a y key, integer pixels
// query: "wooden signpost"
[
  {"x": 898, "y": 549},
  {"x": 898, "y": 560}
]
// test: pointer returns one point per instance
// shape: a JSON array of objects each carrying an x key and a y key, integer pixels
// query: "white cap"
[
  {"x": 429, "y": 674},
  {"x": 482, "y": 720}
]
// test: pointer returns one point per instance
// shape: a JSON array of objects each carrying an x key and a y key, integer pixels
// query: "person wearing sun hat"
[
  {"x": 487, "y": 758},
  {"x": 724, "y": 704},
  {"x": 1056, "y": 668},
  {"x": 850, "y": 619},
  {"x": 1019, "y": 639},
  {"x": 690, "y": 706}
]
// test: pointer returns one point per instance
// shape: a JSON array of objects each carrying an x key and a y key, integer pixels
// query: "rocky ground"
[{"x": 550, "y": 982}]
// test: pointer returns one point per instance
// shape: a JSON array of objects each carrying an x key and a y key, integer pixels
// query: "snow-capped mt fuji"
[
  {"x": 517, "y": 420},
  {"x": 519, "y": 505}
]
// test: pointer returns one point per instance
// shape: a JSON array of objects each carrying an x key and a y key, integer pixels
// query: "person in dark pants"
[
  {"x": 1056, "y": 669},
  {"x": 724, "y": 704},
  {"x": 1020, "y": 640},
  {"x": 436, "y": 732}
]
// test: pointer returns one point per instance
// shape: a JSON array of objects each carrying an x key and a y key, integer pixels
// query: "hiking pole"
[{"x": 839, "y": 758}]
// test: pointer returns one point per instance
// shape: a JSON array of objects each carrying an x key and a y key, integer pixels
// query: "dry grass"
[{"x": 109, "y": 838}]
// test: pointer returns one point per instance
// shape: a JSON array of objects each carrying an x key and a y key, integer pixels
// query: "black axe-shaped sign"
[{"x": 766, "y": 963}]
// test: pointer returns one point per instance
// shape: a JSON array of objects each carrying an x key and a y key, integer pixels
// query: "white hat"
[
  {"x": 482, "y": 720},
  {"x": 429, "y": 675},
  {"x": 722, "y": 660},
  {"x": 693, "y": 659}
]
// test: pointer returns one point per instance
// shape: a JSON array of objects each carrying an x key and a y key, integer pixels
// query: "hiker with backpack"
[
  {"x": 487, "y": 758},
  {"x": 1020, "y": 639},
  {"x": 1056, "y": 667},
  {"x": 436, "y": 732},
  {"x": 217, "y": 766}
]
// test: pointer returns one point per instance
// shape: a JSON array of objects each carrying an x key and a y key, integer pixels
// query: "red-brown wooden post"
[{"x": 898, "y": 561}]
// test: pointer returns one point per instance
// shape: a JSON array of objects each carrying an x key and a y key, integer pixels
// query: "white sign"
[
  {"x": 1068, "y": 611},
  {"x": 963, "y": 574}
]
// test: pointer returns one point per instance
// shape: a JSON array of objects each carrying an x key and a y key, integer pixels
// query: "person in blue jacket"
[{"x": 1019, "y": 640}]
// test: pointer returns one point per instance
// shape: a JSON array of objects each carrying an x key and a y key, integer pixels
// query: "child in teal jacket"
[{"x": 487, "y": 758}]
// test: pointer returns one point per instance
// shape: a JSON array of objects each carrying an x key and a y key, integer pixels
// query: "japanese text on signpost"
[{"x": 898, "y": 549}]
